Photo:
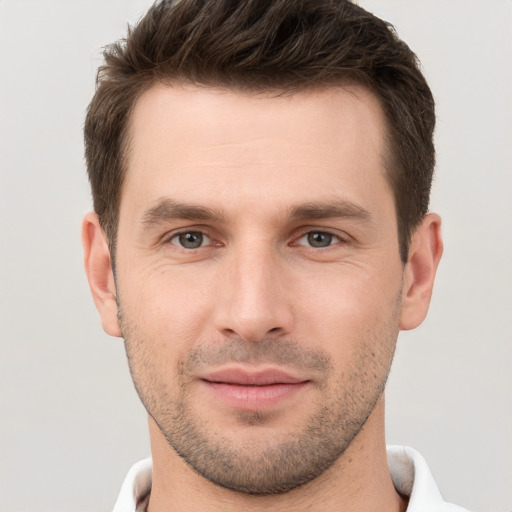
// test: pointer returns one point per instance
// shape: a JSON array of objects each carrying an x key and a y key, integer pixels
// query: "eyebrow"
[
  {"x": 166, "y": 210},
  {"x": 330, "y": 210}
]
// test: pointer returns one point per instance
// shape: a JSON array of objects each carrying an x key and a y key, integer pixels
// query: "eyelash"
[
  {"x": 331, "y": 237},
  {"x": 175, "y": 236}
]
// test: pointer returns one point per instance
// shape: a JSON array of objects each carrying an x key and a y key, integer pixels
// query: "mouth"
[{"x": 253, "y": 390}]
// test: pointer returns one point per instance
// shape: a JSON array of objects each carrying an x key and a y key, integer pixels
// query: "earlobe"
[
  {"x": 99, "y": 273},
  {"x": 425, "y": 253}
]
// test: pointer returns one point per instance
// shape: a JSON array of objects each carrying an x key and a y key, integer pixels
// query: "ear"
[
  {"x": 425, "y": 252},
  {"x": 98, "y": 268}
]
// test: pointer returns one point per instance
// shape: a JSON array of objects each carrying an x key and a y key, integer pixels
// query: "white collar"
[
  {"x": 408, "y": 469},
  {"x": 412, "y": 477},
  {"x": 136, "y": 488}
]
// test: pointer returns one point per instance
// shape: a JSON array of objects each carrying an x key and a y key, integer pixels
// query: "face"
[{"x": 258, "y": 277}]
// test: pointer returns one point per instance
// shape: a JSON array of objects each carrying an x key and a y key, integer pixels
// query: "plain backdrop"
[{"x": 70, "y": 422}]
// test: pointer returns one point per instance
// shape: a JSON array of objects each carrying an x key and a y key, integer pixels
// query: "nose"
[{"x": 253, "y": 297}]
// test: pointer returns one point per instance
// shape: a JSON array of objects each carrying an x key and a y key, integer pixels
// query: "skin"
[{"x": 263, "y": 180}]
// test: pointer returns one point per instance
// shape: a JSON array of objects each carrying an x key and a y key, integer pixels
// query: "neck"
[{"x": 359, "y": 480}]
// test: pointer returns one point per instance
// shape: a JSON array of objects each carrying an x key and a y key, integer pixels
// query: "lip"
[
  {"x": 253, "y": 390},
  {"x": 242, "y": 377}
]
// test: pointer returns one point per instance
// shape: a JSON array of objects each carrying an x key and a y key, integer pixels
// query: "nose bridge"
[{"x": 256, "y": 302}]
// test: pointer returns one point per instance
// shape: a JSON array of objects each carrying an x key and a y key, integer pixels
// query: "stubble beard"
[{"x": 263, "y": 464}]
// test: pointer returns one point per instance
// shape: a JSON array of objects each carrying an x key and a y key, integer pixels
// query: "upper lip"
[{"x": 243, "y": 377}]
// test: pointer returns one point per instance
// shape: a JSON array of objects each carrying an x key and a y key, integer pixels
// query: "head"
[
  {"x": 261, "y": 170},
  {"x": 279, "y": 47}
]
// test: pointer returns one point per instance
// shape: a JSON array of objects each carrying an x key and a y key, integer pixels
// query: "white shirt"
[{"x": 408, "y": 469}]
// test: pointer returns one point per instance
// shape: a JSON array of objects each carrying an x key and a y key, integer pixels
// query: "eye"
[
  {"x": 190, "y": 239},
  {"x": 318, "y": 239}
]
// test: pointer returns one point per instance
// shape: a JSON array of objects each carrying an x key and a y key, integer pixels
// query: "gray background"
[{"x": 70, "y": 422}]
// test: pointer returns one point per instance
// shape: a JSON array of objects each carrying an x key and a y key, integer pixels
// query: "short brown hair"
[{"x": 263, "y": 45}]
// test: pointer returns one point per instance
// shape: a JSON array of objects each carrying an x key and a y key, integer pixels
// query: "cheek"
[
  {"x": 347, "y": 310},
  {"x": 349, "y": 294},
  {"x": 169, "y": 308}
]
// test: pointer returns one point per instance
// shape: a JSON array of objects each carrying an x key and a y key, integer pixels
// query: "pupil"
[
  {"x": 191, "y": 240},
  {"x": 319, "y": 239}
]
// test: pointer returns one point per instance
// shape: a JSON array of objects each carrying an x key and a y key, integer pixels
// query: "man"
[{"x": 260, "y": 175}]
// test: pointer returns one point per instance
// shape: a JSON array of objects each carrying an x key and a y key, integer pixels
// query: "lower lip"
[{"x": 254, "y": 397}]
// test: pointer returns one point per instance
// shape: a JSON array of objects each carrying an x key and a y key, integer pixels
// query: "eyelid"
[
  {"x": 342, "y": 237},
  {"x": 171, "y": 235},
  {"x": 206, "y": 240}
]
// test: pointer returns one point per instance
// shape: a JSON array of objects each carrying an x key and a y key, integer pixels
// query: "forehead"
[{"x": 205, "y": 144}]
